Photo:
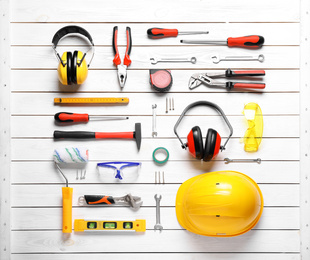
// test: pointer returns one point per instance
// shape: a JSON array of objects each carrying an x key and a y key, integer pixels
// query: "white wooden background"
[{"x": 36, "y": 218}]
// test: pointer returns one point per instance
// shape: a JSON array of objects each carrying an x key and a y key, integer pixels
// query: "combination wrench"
[
  {"x": 154, "y": 132},
  {"x": 156, "y": 60},
  {"x": 158, "y": 226},
  {"x": 216, "y": 58},
  {"x": 227, "y": 160}
]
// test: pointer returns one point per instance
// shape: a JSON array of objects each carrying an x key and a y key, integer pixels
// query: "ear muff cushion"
[
  {"x": 195, "y": 143},
  {"x": 62, "y": 70},
  {"x": 82, "y": 70},
  {"x": 69, "y": 67},
  {"x": 211, "y": 141},
  {"x": 74, "y": 67}
]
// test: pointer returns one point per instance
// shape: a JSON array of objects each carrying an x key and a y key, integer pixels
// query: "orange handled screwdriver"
[
  {"x": 252, "y": 41},
  {"x": 66, "y": 117},
  {"x": 158, "y": 33}
]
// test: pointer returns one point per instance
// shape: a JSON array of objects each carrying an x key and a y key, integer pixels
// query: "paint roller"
[{"x": 65, "y": 156}]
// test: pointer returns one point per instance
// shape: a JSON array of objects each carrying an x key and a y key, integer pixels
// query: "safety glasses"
[
  {"x": 119, "y": 170},
  {"x": 253, "y": 135}
]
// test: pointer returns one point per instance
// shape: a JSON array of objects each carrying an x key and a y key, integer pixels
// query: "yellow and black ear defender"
[{"x": 72, "y": 68}]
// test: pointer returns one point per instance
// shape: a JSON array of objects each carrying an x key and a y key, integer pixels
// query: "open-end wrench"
[
  {"x": 154, "y": 132},
  {"x": 216, "y": 58},
  {"x": 191, "y": 59},
  {"x": 227, "y": 160},
  {"x": 158, "y": 226}
]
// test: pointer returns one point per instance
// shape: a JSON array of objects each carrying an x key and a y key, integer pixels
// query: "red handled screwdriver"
[
  {"x": 251, "y": 41},
  {"x": 66, "y": 117},
  {"x": 158, "y": 33}
]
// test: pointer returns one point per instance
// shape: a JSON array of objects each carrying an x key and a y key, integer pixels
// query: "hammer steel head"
[{"x": 137, "y": 134}]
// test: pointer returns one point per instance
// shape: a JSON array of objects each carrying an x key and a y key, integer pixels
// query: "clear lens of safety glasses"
[
  {"x": 253, "y": 135},
  {"x": 119, "y": 170}
]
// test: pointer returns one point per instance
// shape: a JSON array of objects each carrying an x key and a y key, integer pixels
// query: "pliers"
[
  {"x": 122, "y": 69},
  {"x": 206, "y": 78}
]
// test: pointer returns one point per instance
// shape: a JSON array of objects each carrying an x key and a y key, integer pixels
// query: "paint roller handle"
[{"x": 67, "y": 209}]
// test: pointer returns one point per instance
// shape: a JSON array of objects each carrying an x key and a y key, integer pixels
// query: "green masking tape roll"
[{"x": 160, "y": 150}]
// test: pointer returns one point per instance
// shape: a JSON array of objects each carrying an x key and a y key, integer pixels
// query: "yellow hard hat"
[{"x": 219, "y": 204}]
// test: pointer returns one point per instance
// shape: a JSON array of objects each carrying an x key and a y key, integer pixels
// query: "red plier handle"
[
  {"x": 244, "y": 73},
  {"x": 231, "y": 85},
  {"x": 117, "y": 59}
]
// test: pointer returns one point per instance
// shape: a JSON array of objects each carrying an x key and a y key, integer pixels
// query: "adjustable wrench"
[
  {"x": 134, "y": 202},
  {"x": 158, "y": 226},
  {"x": 216, "y": 58},
  {"x": 155, "y": 60}
]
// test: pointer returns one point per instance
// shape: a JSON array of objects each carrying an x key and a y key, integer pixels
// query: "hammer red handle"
[
  {"x": 122, "y": 135},
  {"x": 91, "y": 135}
]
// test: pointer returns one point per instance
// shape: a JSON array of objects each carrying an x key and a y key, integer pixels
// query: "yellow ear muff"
[
  {"x": 81, "y": 68},
  {"x": 62, "y": 70}
]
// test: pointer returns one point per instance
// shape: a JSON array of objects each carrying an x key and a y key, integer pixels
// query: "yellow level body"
[
  {"x": 81, "y": 225},
  {"x": 91, "y": 100}
]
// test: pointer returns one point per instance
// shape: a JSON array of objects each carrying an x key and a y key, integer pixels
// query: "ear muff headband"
[
  {"x": 72, "y": 29},
  {"x": 203, "y": 103}
]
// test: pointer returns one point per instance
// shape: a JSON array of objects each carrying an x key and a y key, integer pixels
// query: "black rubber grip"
[
  {"x": 74, "y": 135},
  {"x": 98, "y": 199},
  {"x": 129, "y": 43},
  {"x": 114, "y": 39}
]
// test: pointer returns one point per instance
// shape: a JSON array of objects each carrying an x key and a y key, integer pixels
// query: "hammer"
[{"x": 101, "y": 135}]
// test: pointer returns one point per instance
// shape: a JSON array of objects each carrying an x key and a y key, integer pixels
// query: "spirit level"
[
  {"x": 81, "y": 225},
  {"x": 91, "y": 100}
]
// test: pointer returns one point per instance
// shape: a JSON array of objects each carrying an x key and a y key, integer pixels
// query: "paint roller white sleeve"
[{"x": 71, "y": 155}]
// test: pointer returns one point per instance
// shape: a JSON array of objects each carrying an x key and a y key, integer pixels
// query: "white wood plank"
[
  {"x": 305, "y": 128},
  {"x": 151, "y": 256},
  {"x": 166, "y": 241},
  {"x": 5, "y": 133},
  {"x": 136, "y": 11},
  {"x": 275, "y": 57},
  {"x": 138, "y": 81},
  {"x": 42, "y": 33},
  {"x": 50, "y": 195},
  {"x": 175, "y": 172},
  {"x": 42, "y": 149},
  {"x": 140, "y": 103},
  {"x": 48, "y": 219},
  {"x": 289, "y": 125}
]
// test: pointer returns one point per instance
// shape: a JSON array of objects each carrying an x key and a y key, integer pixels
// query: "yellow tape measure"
[
  {"x": 91, "y": 100},
  {"x": 81, "y": 225}
]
